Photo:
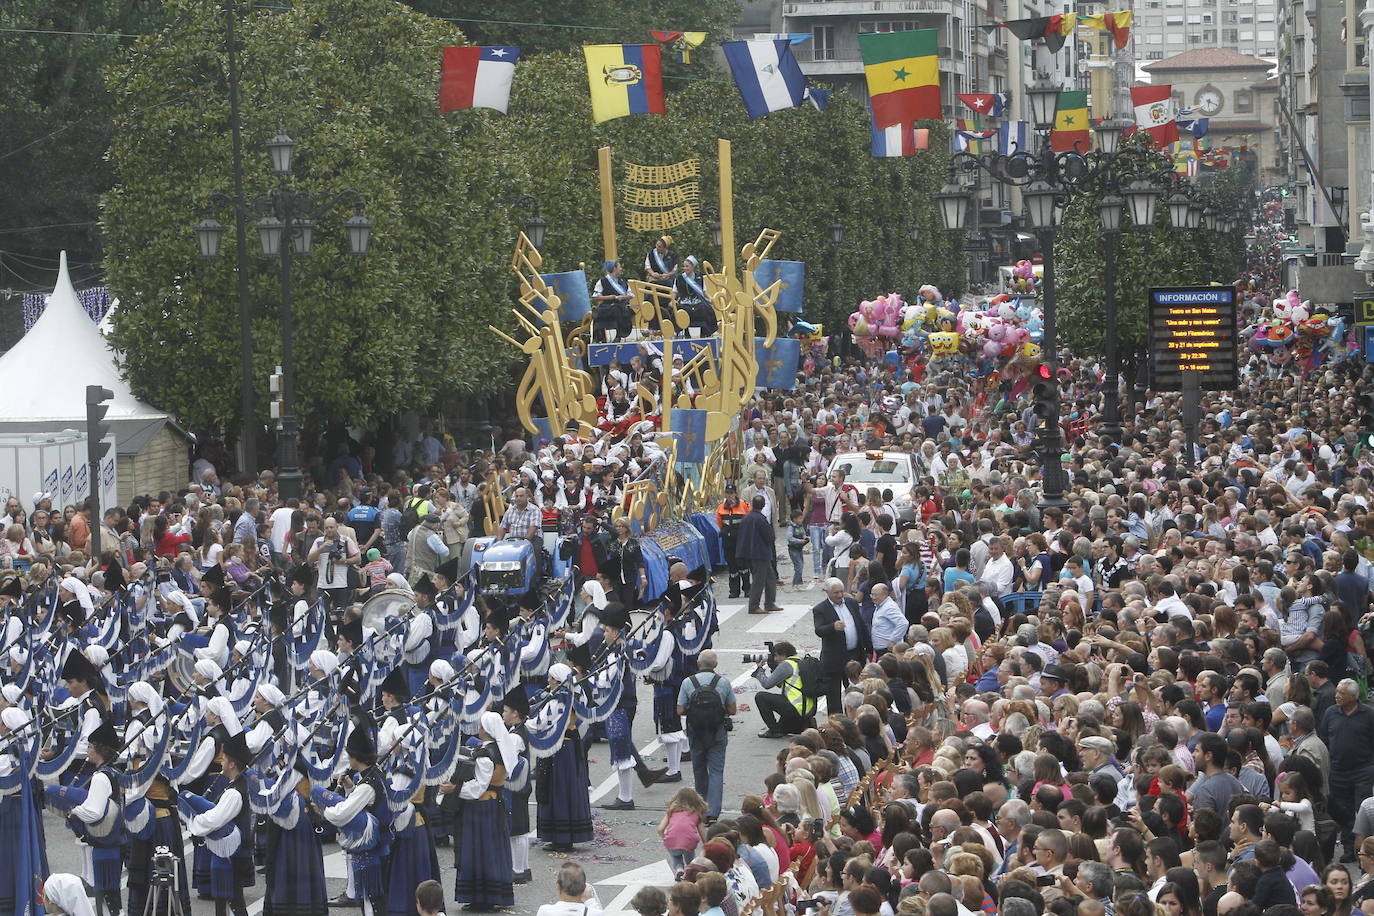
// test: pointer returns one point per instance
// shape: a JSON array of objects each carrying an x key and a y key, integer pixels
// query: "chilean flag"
[{"x": 477, "y": 77}]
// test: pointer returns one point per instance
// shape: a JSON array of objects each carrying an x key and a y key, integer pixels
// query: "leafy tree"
[
  {"x": 353, "y": 81},
  {"x": 58, "y": 120},
  {"x": 1161, "y": 256},
  {"x": 566, "y": 25}
]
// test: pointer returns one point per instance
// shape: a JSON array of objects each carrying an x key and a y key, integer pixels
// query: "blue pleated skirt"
[
  {"x": 565, "y": 808},
  {"x": 483, "y": 854},
  {"x": 413, "y": 860},
  {"x": 295, "y": 871},
  {"x": 619, "y": 738}
]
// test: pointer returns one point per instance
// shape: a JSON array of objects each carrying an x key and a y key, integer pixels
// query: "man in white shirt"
[
  {"x": 997, "y": 572},
  {"x": 575, "y": 896},
  {"x": 281, "y": 525}
]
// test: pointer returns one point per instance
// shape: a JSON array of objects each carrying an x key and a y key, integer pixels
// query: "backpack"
[
  {"x": 410, "y": 517},
  {"x": 813, "y": 680},
  {"x": 705, "y": 712}
]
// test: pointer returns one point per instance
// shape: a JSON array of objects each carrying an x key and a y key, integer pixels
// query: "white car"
[{"x": 886, "y": 470}]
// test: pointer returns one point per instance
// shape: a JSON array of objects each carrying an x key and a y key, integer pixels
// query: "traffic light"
[
  {"x": 96, "y": 431},
  {"x": 1045, "y": 397},
  {"x": 1367, "y": 419}
]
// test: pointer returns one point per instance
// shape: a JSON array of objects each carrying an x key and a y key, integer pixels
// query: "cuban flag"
[
  {"x": 477, "y": 77},
  {"x": 767, "y": 74}
]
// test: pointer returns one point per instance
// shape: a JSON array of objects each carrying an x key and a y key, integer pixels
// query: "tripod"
[{"x": 162, "y": 890}]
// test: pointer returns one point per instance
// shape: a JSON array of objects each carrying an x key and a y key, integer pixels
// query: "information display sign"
[{"x": 1193, "y": 329}]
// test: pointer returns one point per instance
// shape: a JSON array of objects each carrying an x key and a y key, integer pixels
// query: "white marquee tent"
[{"x": 44, "y": 378}]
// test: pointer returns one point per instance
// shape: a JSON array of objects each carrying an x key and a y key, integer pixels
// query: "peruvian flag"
[
  {"x": 477, "y": 77},
  {"x": 1155, "y": 112}
]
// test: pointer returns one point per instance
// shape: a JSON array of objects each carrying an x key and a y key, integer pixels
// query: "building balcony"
[
  {"x": 844, "y": 59},
  {"x": 828, "y": 8}
]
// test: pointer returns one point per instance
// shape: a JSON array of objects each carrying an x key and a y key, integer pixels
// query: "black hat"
[
  {"x": 360, "y": 747},
  {"x": 223, "y": 598},
  {"x": 581, "y": 656},
  {"x": 614, "y": 615},
  {"x": 397, "y": 685},
  {"x": 214, "y": 575},
  {"x": 105, "y": 736},
  {"x": 79, "y": 667},
  {"x": 114, "y": 578},
  {"x": 1054, "y": 671},
  {"x": 352, "y": 630},
  {"x": 518, "y": 700},
  {"x": 280, "y": 615},
  {"x": 303, "y": 574},
  {"x": 73, "y": 611},
  {"x": 426, "y": 586},
  {"x": 235, "y": 747},
  {"x": 12, "y": 587},
  {"x": 448, "y": 569}
]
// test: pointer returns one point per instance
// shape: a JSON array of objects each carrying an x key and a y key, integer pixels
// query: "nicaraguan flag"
[
  {"x": 767, "y": 74},
  {"x": 778, "y": 363},
  {"x": 689, "y": 428},
  {"x": 792, "y": 275},
  {"x": 571, "y": 287},
  {"x": 1013, "y": 137}
]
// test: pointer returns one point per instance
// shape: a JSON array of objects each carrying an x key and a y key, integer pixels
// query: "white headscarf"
[
  {"x": 12, "y": 694},
  {"x": 14, "y": 718},
  {"x": 18, "y": 655},
  {"x": 560, "y": 672},
  {"x": 595, "y": 595},
  {"x": 325, "y": 660},
  {"x": 208, "y": 669},
  {"x": 494, "y": 725},
  {"x": 144, "y": 693},
  {"x": 242, "y": 647},
  {"x": 271, "y": 694},
  {"x": 98, "y": 656},
  {"x": 224, "y": 710},
  {"x": 441, "y": 670},
  {"x": 183, "y": 601},
  {"x": 77, "y": 589},
  {"x": 68, "y": 894},
  {"x": 398, "y": 581}
]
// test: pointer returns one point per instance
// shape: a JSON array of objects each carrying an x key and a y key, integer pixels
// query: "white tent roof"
[{"x": 44, "y": 375}]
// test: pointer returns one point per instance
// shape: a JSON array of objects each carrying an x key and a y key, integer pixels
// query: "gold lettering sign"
[
  {"x": 661, "y": 220},
  {"x": 662, "y": 174},
  {"x": 660, "y": 197}
]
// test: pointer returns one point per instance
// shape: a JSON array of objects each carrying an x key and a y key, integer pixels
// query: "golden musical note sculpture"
[
  {"x": 653, "y": 303},
  {"x": 494, "y": 500},
  {"x": 550, "y": 376},
  {"x": 737, "y": 303}
]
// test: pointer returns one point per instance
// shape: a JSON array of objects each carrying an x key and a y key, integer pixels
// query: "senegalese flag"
[
  {"x": 624, "y": 80},
  {"x": 903, "y": 73},
  {"x": 1053, "y": 29},
  {"x": 1071, "y": 127}
]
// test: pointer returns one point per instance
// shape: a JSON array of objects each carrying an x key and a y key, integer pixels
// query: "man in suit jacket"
[
  {"x": 840, "y": 626},
  {"x": 754, "y": 548}
]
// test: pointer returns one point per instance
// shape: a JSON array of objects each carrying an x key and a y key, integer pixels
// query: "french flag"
[
  {"x": 899, "y": 140},
  {"x": 477, "y": 77}
]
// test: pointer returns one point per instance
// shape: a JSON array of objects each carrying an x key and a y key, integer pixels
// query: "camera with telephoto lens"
[{"x": 760, "y": 658}]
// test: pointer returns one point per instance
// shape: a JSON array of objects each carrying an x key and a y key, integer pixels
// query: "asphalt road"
[{"x": 627, "y": 853}]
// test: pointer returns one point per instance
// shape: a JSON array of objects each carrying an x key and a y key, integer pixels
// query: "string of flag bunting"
[{"x": 901, "y": 70}]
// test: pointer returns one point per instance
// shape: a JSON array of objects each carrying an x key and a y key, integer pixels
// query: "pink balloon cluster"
[{"x": 880, "y": 317}]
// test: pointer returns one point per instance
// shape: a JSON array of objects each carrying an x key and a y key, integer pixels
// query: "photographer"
[
  {"x": 333, "y": 554},
  {"x": 788, "y": 712}
]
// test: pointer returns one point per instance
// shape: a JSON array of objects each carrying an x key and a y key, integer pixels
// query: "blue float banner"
[
  {"x": 544, "y": 429},
  {"x": 793, "y": 277},
  {"x": 1368, "y": 334},
  {"x": 689, "y": 428},
  {"x": 571, "y": 287},
  {"x": 778, "y": 363},
  {"x": 686, "y": 347}
]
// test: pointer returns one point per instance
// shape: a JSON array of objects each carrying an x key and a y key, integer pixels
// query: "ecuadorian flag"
[
  {"x": 624, "y": 80},
  {"x": 903, "y": 74}
]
